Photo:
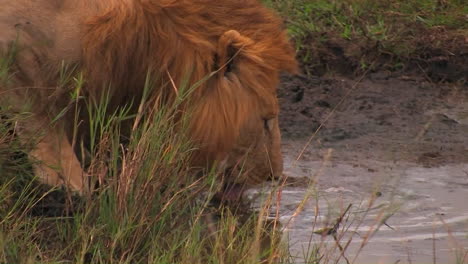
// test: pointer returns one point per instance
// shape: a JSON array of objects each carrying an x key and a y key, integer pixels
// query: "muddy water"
[
  {"x": 396, "y": 149},
  {"x": 429, "y": 206}
]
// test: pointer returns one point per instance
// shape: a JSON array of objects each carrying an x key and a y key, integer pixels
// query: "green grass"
[
  {"x": 371, "y": 18},
  {"x": 150, "y": 206},
  {"x": 368, "y": 29}
]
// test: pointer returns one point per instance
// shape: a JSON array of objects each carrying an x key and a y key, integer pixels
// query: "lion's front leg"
[{"x": 57, "y": 162}]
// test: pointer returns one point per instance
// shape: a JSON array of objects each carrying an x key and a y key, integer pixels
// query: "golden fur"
[{"x": 240, "y": 44}]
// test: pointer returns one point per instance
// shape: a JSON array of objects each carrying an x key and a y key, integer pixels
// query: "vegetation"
[
  {"x": 353, "y": 35},
  {"x": 149, "y": 208}
]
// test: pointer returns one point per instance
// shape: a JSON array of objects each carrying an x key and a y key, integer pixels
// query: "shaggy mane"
[{"x": 240, "y": 43}]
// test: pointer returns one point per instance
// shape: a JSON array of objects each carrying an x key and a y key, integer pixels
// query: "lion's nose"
[{"x": 277, "y": 170}]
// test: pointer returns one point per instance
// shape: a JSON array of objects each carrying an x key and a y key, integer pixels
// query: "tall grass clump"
[{"x": 148, "y": 205}]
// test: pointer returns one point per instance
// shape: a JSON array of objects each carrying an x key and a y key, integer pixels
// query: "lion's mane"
[
  {"x": 174, "y": 38},
  {"x": 230, "y": 53}
]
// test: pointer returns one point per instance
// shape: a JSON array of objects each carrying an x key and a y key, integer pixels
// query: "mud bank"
[{"x": 396, "y": 148}]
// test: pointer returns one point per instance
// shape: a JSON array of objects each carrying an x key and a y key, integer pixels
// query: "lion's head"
[
  {"x": 230, "y": 52},
  {"x": 238, "y": 49},
  {"x": 255, "y": 153}
]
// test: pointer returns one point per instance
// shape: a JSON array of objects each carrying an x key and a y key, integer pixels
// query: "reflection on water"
[{"x": 421, "y": 213}]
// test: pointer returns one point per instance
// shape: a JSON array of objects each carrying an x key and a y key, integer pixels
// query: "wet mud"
[{"x": 396, "y": 148}]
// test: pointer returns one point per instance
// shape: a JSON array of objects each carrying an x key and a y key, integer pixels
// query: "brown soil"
[
  {"x": 436, "y": 53},
  {"x": 383, "y": 115}
]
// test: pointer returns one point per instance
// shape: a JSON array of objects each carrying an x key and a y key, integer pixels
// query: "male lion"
[{"x": 240, "y": 45}]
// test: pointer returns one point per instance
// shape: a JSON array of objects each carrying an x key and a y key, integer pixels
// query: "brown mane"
[
  {"x": 173, "y": 39},
  {"x": 228, "y": 52}
]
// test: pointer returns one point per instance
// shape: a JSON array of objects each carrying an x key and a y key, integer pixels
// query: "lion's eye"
[{"x": 268, "y": 124}]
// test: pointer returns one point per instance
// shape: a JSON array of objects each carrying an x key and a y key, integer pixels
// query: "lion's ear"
[
  {"x": 232, "y": 46},
  {"x": 222, "y": 109}
]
